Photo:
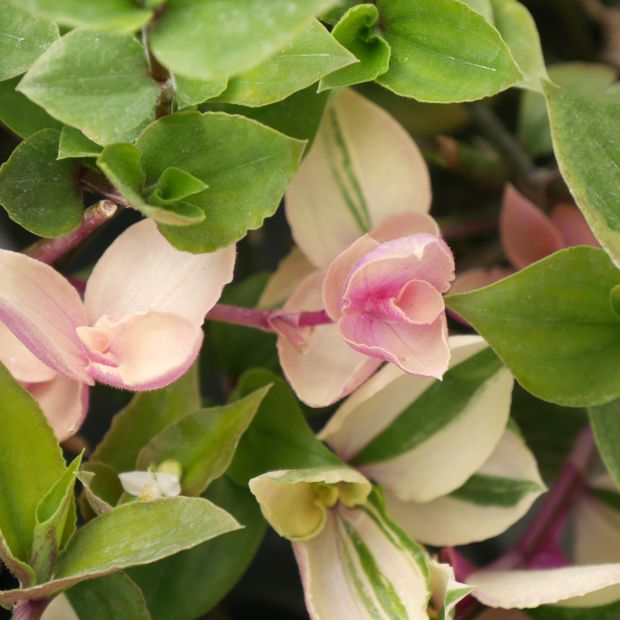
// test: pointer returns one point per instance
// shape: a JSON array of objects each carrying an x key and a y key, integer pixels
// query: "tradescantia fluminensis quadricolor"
[{"x": 322, "y": 282}]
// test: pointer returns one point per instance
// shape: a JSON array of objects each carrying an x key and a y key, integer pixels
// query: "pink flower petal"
[
  {"x": 394, "y": 227},
  {"x": 527, "y": 234},
  {"x": 43, "y": 310},
  {"x": 340, "y": 270},
  {"x": 64, "y": 402},
  {"x": 390, "y": 266},
  {"x": 141, "y": 271},
  {"x": 327, "y": 369},
  {"x": 417, "y": 349},
  {"x": 22, "y": 364},
  {"x": 572, "y": 226},
  {"x": 142, "y": 351}
]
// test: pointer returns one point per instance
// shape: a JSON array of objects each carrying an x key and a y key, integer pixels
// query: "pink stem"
[
  {"x": 261, "y": 319},
  {"x": 50, "y": 250}
]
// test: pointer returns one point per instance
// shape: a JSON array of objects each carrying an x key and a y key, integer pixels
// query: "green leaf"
[
  {"x": 197, "y": 579},
  {"x": 586, "y": 139},
  {"x": 31, "y": 464},
  {"x": 556, "y": 612},
  {"x": 443, "y": 52},
  {"x": 96, "y": 81},
  {"x": 297, "y": 116},
  {"x": 553, "y": 326},
  {"x": 108, "y": 598},
  {"x": 518, "y": 29},
  {"x": 38, "y": 192},
  {"x": 203, "y": 442},
  {"x": 246, "y": 165},
  {"x": 192, "y": 92},
  {"x": 55, "y": 523},
  {"x": 23, "y": 38},
  {"x": 533, "y": 128},
  {"x": 208, "y": 40},
  {"x": 358, "y": 33},
  {"x": 314, "y": 54},
  {"x": 130, "y": 535},
  {"x": 484, "y": 7},
  {"x": 102, "y": 489},
  {"x": 121, "y": 165},
  {"x": 437, "y": 407},
  {"x": 146, "y": 416},
  {"x": 176, "y": 184},
  {"x": 20, "y": 115},
  {"x": 100, "y": 15},
  {"x": 74, "y": 145},
  {"x": 279, "y": 437},
  {"x": 605, "y": 421}
]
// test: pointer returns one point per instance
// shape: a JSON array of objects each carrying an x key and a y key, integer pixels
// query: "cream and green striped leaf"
[
  {"x": 362, "y": 168},
  {"x": 362, "y": 565},
  {"x": 493, "y": 499},
  {"x": 446, "y": 590},
  {"x": 421, "y": 438}
]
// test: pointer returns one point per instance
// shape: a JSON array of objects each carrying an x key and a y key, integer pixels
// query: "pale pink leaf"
[
  {"x": 326, "y": 369},
  {"x": 572, "y": 226},
  {"x": 142, "y": 351},
  {"x": 43, "y": 311},
  {"x": 142, "y": 272},
  {"x": 527, "y": 233}
]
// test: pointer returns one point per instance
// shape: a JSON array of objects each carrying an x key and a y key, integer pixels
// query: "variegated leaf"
[{"x": 420, "y": 438}]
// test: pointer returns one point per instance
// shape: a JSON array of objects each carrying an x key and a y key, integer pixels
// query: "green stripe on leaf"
[{"x": 438, "y": 406}]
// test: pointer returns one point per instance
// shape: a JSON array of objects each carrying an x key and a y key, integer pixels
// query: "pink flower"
[
  {"x": 138, "y": 328},
  {"x": 388, "y": 304},
  {"x": 373, "y": 257},
  {"x": 528, "y": 235}
]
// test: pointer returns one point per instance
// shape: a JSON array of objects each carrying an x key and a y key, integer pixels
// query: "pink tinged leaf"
[
  {"x": 20, "y": 362},
  {"x": 527, "y": 233},
  {"x": 572, "y": 226},
  {"x": 392, "y": 307},
  {"x": 339, "y": 272},
  {"x": 385, "y": 270},
  {"x": 394, "y": 227},
  {"x": 142, "y": 272},
  {"x": 327, "y": 368},
  {"x": 581, "y": 586},
  {"x": 404, "y": 225},
  {"x": 43, "y": 311},
  {"x": 143, "y": 350},
  {"x": 416, "y": 349},
  {"x": 64, "y": 402}
]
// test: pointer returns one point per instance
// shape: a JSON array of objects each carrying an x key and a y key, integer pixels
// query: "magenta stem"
[
  {"x": 550, "y": 519},
  {"x": 548, "y": 525},
  {"x": 262, "y": 319},
  {"x": 50, "y": 250}
]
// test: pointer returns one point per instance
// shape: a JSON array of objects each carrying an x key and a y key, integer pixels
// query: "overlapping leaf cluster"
[{"x": 198, "y": 114}]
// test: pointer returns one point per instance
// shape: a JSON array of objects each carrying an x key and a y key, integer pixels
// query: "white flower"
[{"x": 149, "y": 485}]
